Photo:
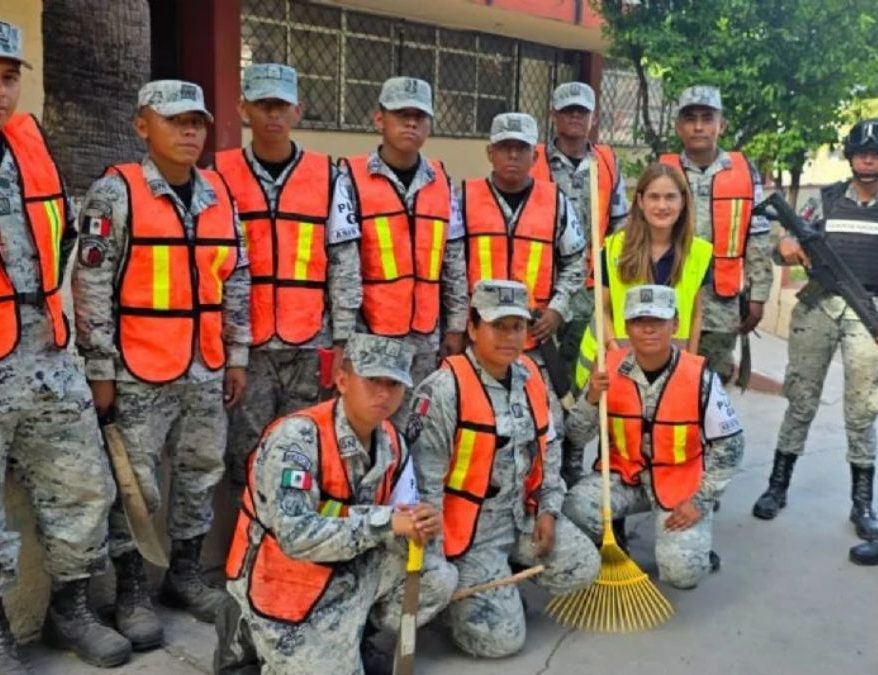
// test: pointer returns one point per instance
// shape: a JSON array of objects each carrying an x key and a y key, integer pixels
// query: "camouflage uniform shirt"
[{"x": 95, "y": 278}]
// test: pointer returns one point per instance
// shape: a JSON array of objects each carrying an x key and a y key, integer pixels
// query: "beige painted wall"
[{"x": 27, "y": 14}]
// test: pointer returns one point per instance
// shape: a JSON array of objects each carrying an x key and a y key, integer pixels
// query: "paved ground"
[{"x": 786, "y": 601}]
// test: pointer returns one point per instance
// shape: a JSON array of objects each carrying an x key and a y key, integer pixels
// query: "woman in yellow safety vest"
[{"x": 657, "y": 246}]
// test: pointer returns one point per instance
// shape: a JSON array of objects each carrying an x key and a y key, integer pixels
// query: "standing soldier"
[
  {"x": 318, "y": 557},
  {"x": 48, "y": 430},
  {"x": 725, "y": 186},
  {"x": 412, "y": 249},
  {"x": 675, "y": 440},
  {"x": 487, "y": 455},
  {"x": 524, "y": 229},
  {"x": 301, "y": 241},
  {"x": 567, "y": 161},
  {"x": 847, "y": 212},
  {"x": 161, "y": 290}
]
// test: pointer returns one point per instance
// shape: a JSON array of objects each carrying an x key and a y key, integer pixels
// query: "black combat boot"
[
  {"x": 10, "y": 663},
  {"x": 865, "y": 554},
  {"x": 377, "y": 660},
  {"x": 862, "y": 515},
  {"x": 135, "y": 617},
  {"x": 184, "y": 586},
  {"x": 71, "y": 624},
  {"x": 775, "y": 497}
]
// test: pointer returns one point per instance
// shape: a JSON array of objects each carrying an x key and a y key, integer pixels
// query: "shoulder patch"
[{"x": 92, "y": 250}]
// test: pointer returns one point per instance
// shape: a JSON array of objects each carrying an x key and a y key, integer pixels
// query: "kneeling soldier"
[
  {"x": 318, "y": 555},
  {"x": 675, "y": 441},
  {"x": 487, "y": 454}
]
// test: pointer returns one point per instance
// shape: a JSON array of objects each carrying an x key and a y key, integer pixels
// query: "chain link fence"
[
  {"x": 343, "y": 56},
  {"x": 621, "y": 117}
]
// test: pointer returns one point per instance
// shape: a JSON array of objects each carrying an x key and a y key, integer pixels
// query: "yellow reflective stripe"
[
  {"x": 534, "y": 255},
  {"x": 54, "y": 216},
  {"x": 619, "y": 436},
  {"x": 161, "y": 277},
  {"x": 436, "y": 249},
  {"x": 680, "y": 443},
  {"x": 732, "y": 248},
  {"x": 588, "y": 349},
  {"x": 485, "y": 266},
  {"x": 222, "y": 252},
  {"x": 462, "y": 461},
  {"x": 385, "y": 248},
  {"x": 330, "y": 508},
  {"x": 303, "y": 251}
]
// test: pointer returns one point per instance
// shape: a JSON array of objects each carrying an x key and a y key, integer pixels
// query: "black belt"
[{"x": 35, "y": 298}]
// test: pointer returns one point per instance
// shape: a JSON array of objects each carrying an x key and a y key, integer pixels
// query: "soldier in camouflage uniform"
[
  {"x": 699, "y": 126},
  {"x": 487, "y": 455},
  {"x": 568, "y": 158},
  {"x": 404, "y": 119},
  {"x": 278, "y": 176},
  {"x": 166, "y": 378},
  {"x": 299, "y": 620},
  {"x": 650, "y": 476},
  {"x": 48, "y": 429},
  {"x": 847, "y": 212}
]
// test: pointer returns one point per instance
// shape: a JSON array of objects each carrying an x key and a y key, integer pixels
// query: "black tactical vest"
[{"x": 852, "y": 232}]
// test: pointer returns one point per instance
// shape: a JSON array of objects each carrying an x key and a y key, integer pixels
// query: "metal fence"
[
  {"x": 343, "y": 56},
  {"x": 620, "y": 106}
]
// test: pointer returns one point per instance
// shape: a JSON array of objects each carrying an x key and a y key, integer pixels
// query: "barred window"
[
  {"x": 343, "y": 56},
  {"x": 620, "y": 109}
]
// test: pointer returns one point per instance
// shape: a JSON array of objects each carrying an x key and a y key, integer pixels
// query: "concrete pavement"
[{"x": 786, "y": 601}]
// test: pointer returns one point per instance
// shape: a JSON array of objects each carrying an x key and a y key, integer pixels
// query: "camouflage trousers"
[
  {"x": 422, "y": 365},
  {"x": 492, "y": 624},
  {"x": 719, "y": 350},
  {"x": 367, "y": 588},
  {"x": 814, "y": 338},
  {"x": 189, "y": 420},
  {"x": 279, "y": 381},
  {"x": 50, "y": 441},
  {"x": 683, "y": 557},
  {"x": 570, "y": 334}
]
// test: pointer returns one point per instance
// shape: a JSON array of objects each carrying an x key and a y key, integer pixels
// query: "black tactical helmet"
[{"x": 863, "y": 137}]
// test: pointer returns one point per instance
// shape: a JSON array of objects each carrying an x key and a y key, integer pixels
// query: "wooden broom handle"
[{"x": 505, "y": 581}]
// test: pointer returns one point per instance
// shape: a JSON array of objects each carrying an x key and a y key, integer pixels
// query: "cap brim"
[
  {"x": 512, "y": 136},
  {"x": 24, "y": 63},
  {"x": 389, "y": 373},
  {"x": 269, "y": 94},
  {"x": 699, "y": 105},
  {"x": 178, "y": 108},
  {"x": 664, "y": 314},
  {"x": 491, "y": 314},
  {"x": 408, "y": 103},
  {"x": 581, "y": 102}
]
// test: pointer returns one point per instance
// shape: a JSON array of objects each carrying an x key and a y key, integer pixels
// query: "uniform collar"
[
  {"x": 722, "y": 161},
  {"x": 520, "y": 373},
  {"x": 260, "y": 171},
  {"x": 555, "y": 154},
  {"x": 203, "y": 195},
  {"x": 852, "y": 194},
  {"x": 349, "y": 445},
  {"x": 631, "y": 369},
  {"x": 376, "y": 165}
]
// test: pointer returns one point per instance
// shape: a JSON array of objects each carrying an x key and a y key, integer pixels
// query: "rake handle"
[
  {"x": 496, "y": 583},
  {"x": 598, "y": 273}
]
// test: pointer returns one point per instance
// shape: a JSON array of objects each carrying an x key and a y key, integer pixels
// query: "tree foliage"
[{"x": 788, "y": 69}]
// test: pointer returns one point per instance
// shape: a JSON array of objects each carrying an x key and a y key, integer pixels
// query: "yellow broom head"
[{"x": 621, "y": 600}]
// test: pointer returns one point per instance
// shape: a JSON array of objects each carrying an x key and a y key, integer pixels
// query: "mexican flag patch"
[{"x": 296, "y": 478}]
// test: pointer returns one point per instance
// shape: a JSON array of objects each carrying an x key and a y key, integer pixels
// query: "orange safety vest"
[
  {"x": 731, "y": 207},
  {"x": 401, "y": 253},
  {"x": 607, "y": 178},
  {"x": 170, "y": 292},
  {"x": 282, "y": 588},
  {"x": 528, "y": 255},
  {"x": 475, "y": 442},
  {"x": 677, "y": 461},
  {"x": 286, "y": 249},
  {"x": 45, "y": 211}
]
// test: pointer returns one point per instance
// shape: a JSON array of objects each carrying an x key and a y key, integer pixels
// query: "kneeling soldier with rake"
[
  {"x": 487, "y": 455},
  {"x": 674, "y": 439}
]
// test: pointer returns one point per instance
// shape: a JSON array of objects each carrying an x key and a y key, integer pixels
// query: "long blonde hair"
[{"x": 635, "y": 263}]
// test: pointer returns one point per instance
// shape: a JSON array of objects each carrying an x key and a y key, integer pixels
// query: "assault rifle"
[{"x": 827, "y": 268}]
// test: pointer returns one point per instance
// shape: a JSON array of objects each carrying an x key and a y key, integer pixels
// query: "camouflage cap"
[
  {"x": 406, "y": 92},
  {"x": 378, "y": 356},
  {"x": 652, "y": 300},
  {"x": 11, "y": 42},
  {"x": 172, "y": 97},
  {"x": 514, "y": 126},
  {"x": 495, "y": 298},
  {"x": 270, "y": 80},
  {"x": 701, "y": 94},
  {"x": 573, "y": 93}
]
